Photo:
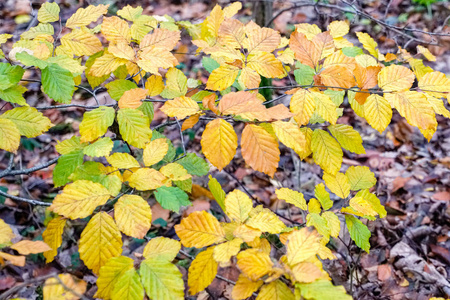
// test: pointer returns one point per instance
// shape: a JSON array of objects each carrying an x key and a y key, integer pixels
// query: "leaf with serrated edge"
[
  {"x": 202, "y": 271},
  {"x": 290, "y": 135},
  {"x": 146, "y": 179},
  {"x": 128, "y": 287},
  {"x": 245, "y": 287},
  {"x": 301, "y": 245},
  {"x": 134, "y": 127},
  {"x": 155, "y": 151},
  {"x": 63, "y": 287},
  {"x": 28, "y": 120},
  {"x": 360, "y": 177},
  {"x": 347, "y": 137},
  {"x": 162, "y": 248},
  {"x": 180, "y": 107},
  {"x": 122, "y": 161},
  {"x": 81, "y": 42},
  {"x": 222, "y": 78},
  {"x": 260, "y": 149},
  {"x": 303, "y": 106},
  {"x": 161, "y": 280},
  {"x": 327, "y": 152},
  {"x": 238, "y": 205},
  {"x": 95, "y": 123},
  {"x": 110, "y": 273},
  {"x": 84, "y": 16},
  {"x": 133, "y": 216},
  {"x": 219, "y": 143},
  {"x": 79, "y": 199},
  {"x": 224, "y": 251},
  {"x": 200, "y": 229},
  {"x": 266, "y": 221},
  {"x": 276, "y": 290},
  {"x": 254, "y": 263},
  {"x": 100, "y": 241},
  {"x": 52, "y": 235},
  {"x": 358, "y": 232},
  {"x": 377, "y": 112},
  {"x": 395, "y": 78},
  {"x": 49, "y": 12},
  {"x": 292, "y": 197},
  {"x": 338, "y": 184}
]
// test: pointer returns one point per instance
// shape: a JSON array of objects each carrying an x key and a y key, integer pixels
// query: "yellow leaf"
[
  {"x": 25, "y": 247},
  {"x": 327, "y": 152},
  {"x": 219, "y": 143},
  {"x": 122, "y": 161},
  {"x": 425, "y": 52},
  {"x": 306, "y": 272},
  {"x": 435, "y": 83},
  {"x": 377, "y": 112},
  {"x": 95, "y": 123},
  {"x": 243, "y": 104},
  {"x": 79, "y": 199},
  {"x": 362, "y": 206},
  {"x": 161, "y": 38},
  {"x": 162, "y": 248},
  {"x": 342, "y": 42},
  {"x": 175, "y": 172},
  {"x": 232, "y": 9},
  {"x": 190, "y": 122},
  {"x": 81, "y": 42},
  {"x": 161, "y": 280},
  {"x": 254, "y": 263},
  {"x": 360, "y": 177},
  {"x": 290, "y": 135},
  {"x": 122, "y": 50},
  {"x": 373, "y": 201},
  {"x": 338, "y": 184},
  {"x": 337, "y": 76},
  {"x": 110, "y": 273},
  {"x": 365, "y": 61},
  {"x": 395, "y": 78},
  {"x": 238, "y": 205},
  {"x": 202, "y": 271},
  {"x": 153, "y": 58},
  {"x": 249, "y": 78},
  {"x": 304, "y": 49},
  {"x": 65, "y": 287},
  {"x": 6, "y": 233},
  {"x": 245, "y": 287},
  {"x": 368, "y": 43},
  {"x": 100, "y": 241},
  {"x": 154, "y": 85},
  {"x": 276, "y": 290},
  {"x": 262, "y": 39},
  {"x": 302, "y": 245},
  {"x": 116, "y": 30},
  {"x": 309, "y": 30},
  {"x": 9, "y": 136},
  {"x": 222, "y": 77},
  {"x": 17, "y": 260},
  {"x": 260, "y": 149},
  {"x": 338, "y": 58},
  {"x": 155, "y": 151},
  {"x": 134, "y": 127},
  {"x": 414, "y": 107},
  {"x": 106, "y": 64},
  {"x": 85, "y": 16},
  {"x": 325, "y": 107},
  {"x": 308, "y": 137},
  {"x": 146, "y": 179},
  {"x": 292, "y": 197},
  {"x": 200, "y": 229},
  {"x": 347, "y": 137},
  {"x": 130, "y": 13},
  {"x": 265, "y": 64},
  {"x": 232, "y": 33},
  {"x": 52, "y": 236},
  {"x": 323, "y": 197},
  {"x": 438, "y": 106},
  {"x": 132, "y": 98},
  {"x": 303, "y": 106},
  {"x": 266, "y": 221},
  {"x": 222, "y": 253},
  {"x": 128, "y": 287},
  {"x": 180, "y": 107},
  {"x": 49, "y": 12},
  {"x": 338, "y": 28},
  {"x": 133, "y": 216},
  {"x": 333, "y": 223},
  {"x": 246, "y": 233}
]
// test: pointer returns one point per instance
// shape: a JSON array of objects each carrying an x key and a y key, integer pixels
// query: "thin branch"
[
  {"x": 29, "y": 201},
  {"x": 9, "y": 172}
]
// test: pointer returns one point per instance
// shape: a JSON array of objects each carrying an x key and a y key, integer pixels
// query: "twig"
[
  {"x": 29, "y": 201},
  {"x": 9, "y": 172}
]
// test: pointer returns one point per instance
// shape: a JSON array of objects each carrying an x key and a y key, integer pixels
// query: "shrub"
[{"x": 118, "y": 163}]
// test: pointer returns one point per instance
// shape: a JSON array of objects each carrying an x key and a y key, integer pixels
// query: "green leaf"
[
  {"x": 209, "y": 64},
  {"x": 58, "y": 83},
  {"x": 170, "y": 153},
  {"x": 49, "y": 12},
  {"x": 14, "y": 95},
  {"x": 148, "y": 110},
  {"x": 66, "y": 165},
  {"x": 360, "y": 177},
  {"x": 172, "y": 198},
  {"x": 323, "y": 196},
  {"x": 194, "y": 164},
  {"x": 30, "y": 60},
  {"x": 96, "y": 122},
  {"x": 128, "y": 287},
  {"x": 348, "y": 138},
  {"x": 321, "y": 225},
  {"x": 161, "y": 280},
  {"x": 304, "y": 75},
  {"x": 10, "y": 75},
  {"x": 101, "y": 147},
  {"x": 134, "y": 127},
  {"x": 92, "y": 171},
  {"x": 217, "y": 191},
  {"x": 185, "y": 185},
  {"x": 28, "y": 120},
  {"x": 322, "y": 289},
  {"x": 336, "y": 96},
  {"x": 117, "y": 87},
  {"x": 352, "y": 51},
  {"x": 40, "y": 29},
  {"x": 94, "y": 81},
  {"x": 374, "y": 202},
  {"x": 176, "y": 84},
  {"x": 358, "y": 232}
]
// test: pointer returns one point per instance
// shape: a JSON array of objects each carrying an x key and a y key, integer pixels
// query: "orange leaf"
[{"x": 132, "y": 98}]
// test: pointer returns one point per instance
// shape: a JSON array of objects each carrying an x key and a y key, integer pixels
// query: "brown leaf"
[
  {"x": 384, "y": 272},
  {"x": 442, "y": 196}
]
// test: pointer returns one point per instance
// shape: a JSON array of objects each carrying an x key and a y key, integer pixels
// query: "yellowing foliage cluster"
[{"x": 131, "y": 56}]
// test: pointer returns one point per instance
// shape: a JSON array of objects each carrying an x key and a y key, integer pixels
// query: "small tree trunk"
[{"x": 262, "y": 13}]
